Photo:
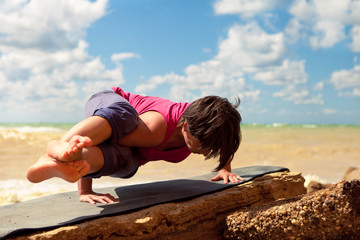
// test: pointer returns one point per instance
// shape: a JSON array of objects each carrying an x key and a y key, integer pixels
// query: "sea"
[{"x": 320, "y": 152}]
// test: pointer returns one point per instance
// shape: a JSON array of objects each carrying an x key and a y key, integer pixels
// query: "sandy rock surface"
[{"x": 332, "y": 213}]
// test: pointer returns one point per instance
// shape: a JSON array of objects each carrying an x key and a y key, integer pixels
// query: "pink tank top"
[{"x": 171, "y": 112}]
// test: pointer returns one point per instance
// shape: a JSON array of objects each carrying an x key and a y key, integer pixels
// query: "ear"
[{"x": 185, "y": 127}]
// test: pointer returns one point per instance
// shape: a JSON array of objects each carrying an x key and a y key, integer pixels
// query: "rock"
[
  {"x": 332, "y": 213},
  {"x": 316, "y": 186},
  {"x": 199, "y": 218},
  {"x": 351, "y": 173}
]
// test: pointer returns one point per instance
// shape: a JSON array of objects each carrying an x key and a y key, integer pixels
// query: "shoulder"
[
  {"x": 154, "y": 121},
  {"x": 150, "y": 131}
]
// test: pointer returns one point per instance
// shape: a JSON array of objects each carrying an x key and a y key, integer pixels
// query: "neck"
[
  {"x": 176, "y": 140},
  {"x": 178, "y": 136}
]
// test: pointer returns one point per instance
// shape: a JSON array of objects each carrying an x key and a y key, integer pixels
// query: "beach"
[{"x": 320, "y": 152}]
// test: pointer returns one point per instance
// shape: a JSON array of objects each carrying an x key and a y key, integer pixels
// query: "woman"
[{"x": 123, "y": 131}]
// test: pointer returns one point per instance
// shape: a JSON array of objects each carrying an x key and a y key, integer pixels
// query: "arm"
[
  {"x": 227, "y": 175},
  {"x": 86, "y": 193}
]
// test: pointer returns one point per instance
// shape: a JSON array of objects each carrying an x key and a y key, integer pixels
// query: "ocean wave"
[
  {"x": 18, "y": 190},
  {"x": 31, "y": 129},
  {"x": 309, "y": 126},
  {"x": 15, "y": 190},
  {"x": 312, "y": 177},
  {"x": 35, "y": 127}
]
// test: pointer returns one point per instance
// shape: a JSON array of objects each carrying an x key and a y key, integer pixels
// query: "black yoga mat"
[{"x": 64, "y": 208}]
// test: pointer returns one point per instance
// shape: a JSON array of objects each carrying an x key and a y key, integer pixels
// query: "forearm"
[
  {"x": 86, "y": 193},
  {"x": 85, "y": 186}
]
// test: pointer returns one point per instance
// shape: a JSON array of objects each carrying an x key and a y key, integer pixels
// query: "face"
[{"x": 193, "y": 143}]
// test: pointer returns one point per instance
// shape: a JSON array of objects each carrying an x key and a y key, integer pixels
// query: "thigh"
[
  {"x": 103, "y": 99},
  {"x": 121, "y": 116}
]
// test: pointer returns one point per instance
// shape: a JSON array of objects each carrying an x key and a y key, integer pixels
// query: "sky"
[{"x": 294, "y": 62}]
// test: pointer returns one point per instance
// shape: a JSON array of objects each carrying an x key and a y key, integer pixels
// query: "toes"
[
  {"x": 86, "y": 141},
  {"x": 71, "y": 150},
  {"x": 81, "y": 142},
  {"x": 75, "y": 140}
]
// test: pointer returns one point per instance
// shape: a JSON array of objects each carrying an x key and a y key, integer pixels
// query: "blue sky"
[{"x": 289, "y": 61}]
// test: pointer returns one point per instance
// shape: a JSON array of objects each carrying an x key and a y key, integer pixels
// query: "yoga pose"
[{"x": 122, "y": 131}]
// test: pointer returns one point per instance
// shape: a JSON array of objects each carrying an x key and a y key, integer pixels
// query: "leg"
[
  {"x": 108, "y": 115},
  {"x": 47, "y": 167},
  {"x": 95, "y": 130}
]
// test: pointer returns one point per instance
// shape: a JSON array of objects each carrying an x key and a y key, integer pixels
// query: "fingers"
[
  {"x": 236, "y": 178},
  {"x": 233, "y": 178},
  {"x": 98, "y": 198},
  {"x": 216, "y": 178}
]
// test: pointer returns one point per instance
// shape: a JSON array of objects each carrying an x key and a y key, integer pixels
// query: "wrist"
[
  {"x": 85, "y": 186},
  {"x": 223, "y": 170},
  {"x": 85, "y": 192},
  {"x": 227, "y": 168}
]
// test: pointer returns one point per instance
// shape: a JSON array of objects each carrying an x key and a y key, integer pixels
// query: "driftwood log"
[{"x": 199, "y": 218}]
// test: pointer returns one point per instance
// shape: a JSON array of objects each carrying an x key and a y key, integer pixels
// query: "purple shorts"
[{"x": 119, "y": 161}]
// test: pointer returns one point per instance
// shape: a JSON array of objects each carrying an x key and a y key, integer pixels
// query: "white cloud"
[
  {"x": 355, "y": 33},
  {"x": 318, "y": 86},
  {"x": 48, "y": 24},
  {"x": 346, "y": 78},
  {"x": 206, "y": 50},
  {"x": 44, "y": 57},
  {"x": 327, "y": 34},
  {"x": 329, "y": 111},
  {"x": 302, "y": 10},
  {"x": 154, "y": 81},
  {"x": 250, "y": 47},
  {"x": 354, "y": 93},
  {"x": 290, "y": 72},
  {"x": 245, "y": 7},
  {"x": 299, "y": 95},
  {"x": 250, "y": 95},
  {"x": 347, "y": 82},
  {"x": 324, "y": 25},
  {"x": 293, "y": 31},
  {"x": 122, "y": 56},
  {"x": 248, "y": 52}
]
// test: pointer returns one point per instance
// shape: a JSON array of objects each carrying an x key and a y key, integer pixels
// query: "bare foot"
[
  {"x": 68, "y": 151},
  {"x": 47, "y": 167}
]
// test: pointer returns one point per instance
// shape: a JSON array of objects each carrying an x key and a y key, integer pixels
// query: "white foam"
[
  {"x": 309, "y": 126},
  {"x": 275, "y": 125},
  {"x": 312, "y": 177},
  {"x": 14, "y": 190},
  {"x": 31, "y": 129}
]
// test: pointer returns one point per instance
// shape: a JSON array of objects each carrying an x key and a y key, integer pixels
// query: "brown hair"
[{"x": 215, "y": 122}]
